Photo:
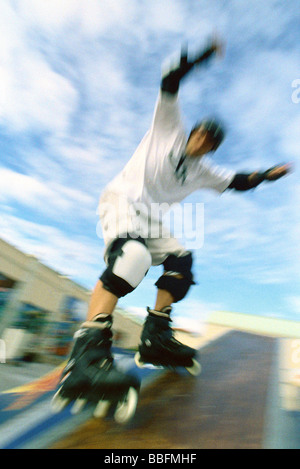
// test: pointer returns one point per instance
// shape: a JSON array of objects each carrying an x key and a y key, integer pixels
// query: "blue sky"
[{"x": 78, "y": 84}]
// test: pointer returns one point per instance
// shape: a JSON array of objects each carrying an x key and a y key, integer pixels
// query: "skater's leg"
[
  {"x": 128, "y": 261},
  {"x": 102, "y": 301},
  {"x": 158, "y": 345},
  {"x": 91, "y": 374},
  {"x": 163, "y": 299},
  {"x": 177, "y": 277}
]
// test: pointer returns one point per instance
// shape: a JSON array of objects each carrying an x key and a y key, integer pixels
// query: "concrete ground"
[{"x": 15, "y": 375}]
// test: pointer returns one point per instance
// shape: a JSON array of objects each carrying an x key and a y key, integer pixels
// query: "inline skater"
[{"x": 166, "y": 167}]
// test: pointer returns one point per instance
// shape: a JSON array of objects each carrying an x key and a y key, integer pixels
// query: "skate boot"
[
  {"x": 159, "y": 348},
  {"x": 91, "y": 377}
]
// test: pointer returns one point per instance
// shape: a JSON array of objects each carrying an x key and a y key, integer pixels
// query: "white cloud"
[
  {"x": 91, "y": 17},
  {"x": 290, "y": 138},
  {"x": 51, "y": 197},
  {"x": 77, "y": 257},
  {"x": 35, "y": 97},
  {"x": 21, "y": 187},
  {"x": 54, "y": 14},
  {"x": 32, "y": 94}
]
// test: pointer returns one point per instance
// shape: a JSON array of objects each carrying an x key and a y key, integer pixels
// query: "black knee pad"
[
  {"x": 177, "y": 277},
  {"x": 128, "y": 261}
]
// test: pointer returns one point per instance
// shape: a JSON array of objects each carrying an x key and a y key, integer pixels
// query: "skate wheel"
[
  {"x": 78, "y": 406},
  {"x": 126, "y": 408},
  {"x": 101, "y": 409},
  {"x": 58, "y": 403},
  {"x": 195, "y": 369},
  {"x": 138, "y": 361},
  {"x": 140, "y": 364}
]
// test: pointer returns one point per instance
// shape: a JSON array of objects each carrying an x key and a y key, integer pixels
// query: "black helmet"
[{"x": 215, "y": 129}]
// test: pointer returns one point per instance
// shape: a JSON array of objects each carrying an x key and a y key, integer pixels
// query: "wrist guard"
[
  {"x": 170, "y": 82},
  {"x": 241, "y": 181}
]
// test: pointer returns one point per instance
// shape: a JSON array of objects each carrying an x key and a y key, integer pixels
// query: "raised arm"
[{"x": 171, "y": 81}]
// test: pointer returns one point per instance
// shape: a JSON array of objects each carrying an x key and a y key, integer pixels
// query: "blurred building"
[{"x": 38, "y": 306}]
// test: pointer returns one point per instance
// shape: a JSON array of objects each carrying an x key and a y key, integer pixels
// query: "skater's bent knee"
[
  {"x": 128, "y": 262},
  {"x": 177, "y": 278}
]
